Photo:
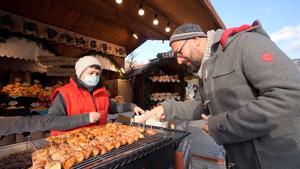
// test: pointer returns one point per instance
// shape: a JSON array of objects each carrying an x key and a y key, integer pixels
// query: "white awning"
[
  {"x": 22, "y": 49},
  {"x": 106, "y": 63},
  {"x": 21, "y": 64},
  {"x": 28, "y": 51}
]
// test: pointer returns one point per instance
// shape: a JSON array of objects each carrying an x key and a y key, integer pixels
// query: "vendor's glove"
[{"x": 94, "y": 116}]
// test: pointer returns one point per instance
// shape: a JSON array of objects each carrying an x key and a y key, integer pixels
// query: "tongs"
[{"x": 29, "y": 143}]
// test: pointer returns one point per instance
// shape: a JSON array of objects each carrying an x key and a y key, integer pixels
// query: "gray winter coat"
[{"x": 252, "y": 90}]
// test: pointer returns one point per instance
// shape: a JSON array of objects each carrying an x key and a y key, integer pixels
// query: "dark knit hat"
[{"x": 186, "y": 31}]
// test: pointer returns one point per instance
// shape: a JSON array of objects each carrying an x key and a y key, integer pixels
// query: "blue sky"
[{"x": 281, "y": 20}]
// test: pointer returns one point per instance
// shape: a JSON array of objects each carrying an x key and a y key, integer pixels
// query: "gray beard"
[{"x": 195, "y": 65}]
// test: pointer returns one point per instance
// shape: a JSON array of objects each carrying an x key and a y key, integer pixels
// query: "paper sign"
[
  {"x": 65, "y": 72},
  {"x": 57, "y": 61}
]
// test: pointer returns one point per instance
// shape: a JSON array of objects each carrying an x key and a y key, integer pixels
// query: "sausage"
[
  {"x": 57, "y": 155},
  {"x": 41, "y": 153},
  {"x": 67, "y": 161},
  {"x": 95, "y": 151},
  {"x": 53, "y": 165},
  {"x": 79, "y": 156}
]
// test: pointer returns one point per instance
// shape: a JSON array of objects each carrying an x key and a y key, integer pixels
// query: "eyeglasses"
[{"x": 178, "y": 53}]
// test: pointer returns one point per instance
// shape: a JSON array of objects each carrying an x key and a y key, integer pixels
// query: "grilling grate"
[
  {"x": 164, "y": 142},
  {"x": 17, "y": 161},
  {"x": 18, "y": 156},
  {"x": 128, "y": 153}
]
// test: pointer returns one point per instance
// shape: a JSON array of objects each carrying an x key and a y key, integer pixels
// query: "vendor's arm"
[
  {"x": 57, "y": 118},
  {"x": 277, "y": 80}
]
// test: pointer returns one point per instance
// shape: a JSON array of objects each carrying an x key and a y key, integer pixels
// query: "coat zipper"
[
  {"x": 206, "y": 87},
  {"x": 94, "y": 101}
]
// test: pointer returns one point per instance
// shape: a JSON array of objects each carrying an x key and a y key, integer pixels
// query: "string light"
[
  {"x": 119, "y": 1},
  {"x": 141, "y": 10},
  {"x": 135, "y": 36},
  {"x": 122, "y": 70},
  {"x": 168, "y": 29},
  {"x": 155, "y": 20}
]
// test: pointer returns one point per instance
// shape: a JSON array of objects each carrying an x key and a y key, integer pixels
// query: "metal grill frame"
[{"x": 124, "y": 155}]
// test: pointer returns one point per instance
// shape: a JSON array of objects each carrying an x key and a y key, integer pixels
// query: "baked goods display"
[
  {"x": 165, "y": 78},
  {"x": 164, "y": 96},
  {"x": 28, "y": 98},
  {"x": 64, "y": 151},
  {"x": 19, "y": 89}
]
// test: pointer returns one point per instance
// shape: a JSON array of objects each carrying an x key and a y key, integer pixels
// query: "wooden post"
[{"x": 28, "y": 77}]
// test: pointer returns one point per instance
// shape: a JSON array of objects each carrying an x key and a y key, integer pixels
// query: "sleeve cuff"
[
  {"x": 132, "y": 106},
  {"x": 86, "y": 118},
  {"x": 217, "y": 127},
  {"x": 167, "y": 109}
]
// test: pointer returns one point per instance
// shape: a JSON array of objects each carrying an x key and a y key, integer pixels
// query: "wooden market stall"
[
  {"x": 34, "y": 30},
  {"x": 42, "y": 39},
  {"x": 159, "y": 80},
  {"x": 108, "y": 21},
  {"x": 73, "y": 28}
]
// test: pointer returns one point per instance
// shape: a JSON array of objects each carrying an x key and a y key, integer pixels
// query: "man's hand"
[
  {"x": 157, "y": 114},
  {"x": 205, "y": 126},
  {"x": 137, "y": 110},
  {"x": 94, "y": 116}
]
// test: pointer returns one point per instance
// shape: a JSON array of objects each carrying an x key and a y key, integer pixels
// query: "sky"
[{"x": 279, "y": 18}]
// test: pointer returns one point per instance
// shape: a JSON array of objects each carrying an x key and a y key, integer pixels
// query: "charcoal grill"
[{"x": 152, "y": 152}]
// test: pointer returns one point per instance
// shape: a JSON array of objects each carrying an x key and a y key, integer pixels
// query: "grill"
[{"x": 155, "y": 152}]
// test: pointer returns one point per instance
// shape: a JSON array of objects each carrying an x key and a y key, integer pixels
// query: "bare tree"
[{"x": 131, "y": 61}]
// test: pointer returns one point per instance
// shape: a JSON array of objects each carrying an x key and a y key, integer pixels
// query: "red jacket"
[{"x": 79, "y": 101}]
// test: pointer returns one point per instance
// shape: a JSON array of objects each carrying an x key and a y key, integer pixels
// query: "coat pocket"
[{"x": 224, "y": 66}]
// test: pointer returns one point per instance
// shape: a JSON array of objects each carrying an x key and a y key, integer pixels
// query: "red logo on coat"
[{"x": 267, "y": 57}]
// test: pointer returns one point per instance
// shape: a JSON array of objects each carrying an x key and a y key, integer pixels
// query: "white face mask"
[{"x": 91, "y": 80}]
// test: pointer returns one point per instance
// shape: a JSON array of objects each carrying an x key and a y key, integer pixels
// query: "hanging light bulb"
[
  {"x": 135, "y": 36},
  {"x": 119, "y": 1},
  {"x": 168, "y": 29},
  {"x": 122, "y": 70},
  {"x": 155, "y": 20},
  {"x": 141, "y": 10}
]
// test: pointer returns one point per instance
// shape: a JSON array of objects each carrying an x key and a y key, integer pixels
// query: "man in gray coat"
[{"x": 251, "y": 90}]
